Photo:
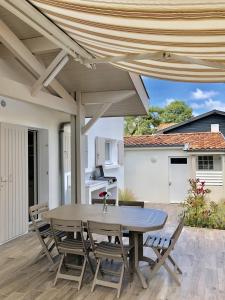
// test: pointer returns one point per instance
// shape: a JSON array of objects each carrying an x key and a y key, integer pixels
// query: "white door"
[
  {"x": 179, "y": 173},
  {"x": 13, "y": 181}
]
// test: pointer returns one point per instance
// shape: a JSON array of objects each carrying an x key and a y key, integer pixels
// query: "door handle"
[
  {"x": 170, "y": 183},
  {"x": 3, "y": 180}
]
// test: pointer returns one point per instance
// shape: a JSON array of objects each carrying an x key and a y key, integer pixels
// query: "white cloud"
[
  {"x": 195, "y": 114},
  {"x": 199, "y": 94},
  {"x": 170, "y": 100},
  {"x": 197, "y": 105},
  {"x": 209, "y": 104},
  {"x": 215, "y": 104}
]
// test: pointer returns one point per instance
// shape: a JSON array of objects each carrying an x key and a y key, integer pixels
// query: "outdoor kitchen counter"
[
  {"x": 94, "y": 187},
  {"x": 136, "y": 220}
]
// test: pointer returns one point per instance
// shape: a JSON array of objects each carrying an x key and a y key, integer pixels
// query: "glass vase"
[{"x": 104, "y": 208}]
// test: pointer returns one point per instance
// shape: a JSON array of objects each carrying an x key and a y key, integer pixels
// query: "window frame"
[
  {"x": 86, "y": 144},
  {"x": 178, "y": 160},
  {"x": 207, "y": 163},
  {"x": 110, "y": 160}
]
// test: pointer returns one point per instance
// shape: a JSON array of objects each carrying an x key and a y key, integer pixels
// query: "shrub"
[
  {"x": 201, "y": 213},
  {"x": 126, "y": 195}
]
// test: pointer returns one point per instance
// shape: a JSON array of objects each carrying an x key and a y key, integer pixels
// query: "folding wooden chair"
[
  {"x": 162, "y": 246},
  {"x": 106, "y": 251},
  {"x": 111, "y": 202},
  {"x": 139, "y": 204},
  {"x": 73, "y": 246},
  {"x": 43, "y": 231}
]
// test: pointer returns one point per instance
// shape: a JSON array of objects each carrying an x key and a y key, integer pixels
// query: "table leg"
[
  {"x": 137, "y": 237},
  {"x": 131, "y": 256},
  {"x": 141, "y": 256}
]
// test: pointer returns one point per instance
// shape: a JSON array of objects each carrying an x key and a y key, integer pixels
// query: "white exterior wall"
[
  {"x": 146, "y": 173},
  {"x": 34, "y": 116},
  {"x": 111, "y": 128}
]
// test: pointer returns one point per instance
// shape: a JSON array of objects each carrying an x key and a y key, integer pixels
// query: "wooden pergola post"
[{"x": 77, "y": 153}]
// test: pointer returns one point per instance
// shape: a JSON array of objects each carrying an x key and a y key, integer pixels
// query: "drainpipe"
[{"x": 61, "y": 160}]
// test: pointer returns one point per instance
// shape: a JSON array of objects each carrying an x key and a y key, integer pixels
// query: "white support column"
[
  {"x": 80, "y": 145},
  {"x": 73, "y": 159}
]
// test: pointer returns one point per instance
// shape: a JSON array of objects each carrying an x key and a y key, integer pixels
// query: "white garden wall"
[{"x": 146, "y": 173}]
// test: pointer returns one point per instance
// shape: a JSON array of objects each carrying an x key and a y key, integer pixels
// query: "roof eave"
[{"x": 193, "y": 119}]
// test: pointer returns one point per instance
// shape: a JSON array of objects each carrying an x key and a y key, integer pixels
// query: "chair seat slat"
[
  {"x": 105, "y": 248},
  {"x": 156, "y": 242},
  {"x": 150, "y": 240},
  {"x": 166, "y": 243}
]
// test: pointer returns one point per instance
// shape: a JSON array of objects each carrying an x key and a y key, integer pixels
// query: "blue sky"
[{"x": 201, "y": 97}]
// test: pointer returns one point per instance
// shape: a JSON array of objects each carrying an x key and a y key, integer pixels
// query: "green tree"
[
  {"x": 143, "y": 125},
  {"x": 174, "y": 112},
  {"x": 177, "y": 111}
]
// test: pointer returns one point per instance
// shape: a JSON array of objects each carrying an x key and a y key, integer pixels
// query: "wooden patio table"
[{"x": 136, "y": 220}]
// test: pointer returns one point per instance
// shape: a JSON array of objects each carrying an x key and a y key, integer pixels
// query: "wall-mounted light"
[
  {"x": 3, "y": 103},
  {"x": 153, "y": 159}
]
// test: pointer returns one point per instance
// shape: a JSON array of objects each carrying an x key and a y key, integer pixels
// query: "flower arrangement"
[{"x": 104, "y": 195}]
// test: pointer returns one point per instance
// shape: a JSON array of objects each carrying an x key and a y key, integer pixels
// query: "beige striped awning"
[{"x": 182, "y": 40}]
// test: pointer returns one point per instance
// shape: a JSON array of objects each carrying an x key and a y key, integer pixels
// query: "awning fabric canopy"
[{"x": 182, "y": 40}]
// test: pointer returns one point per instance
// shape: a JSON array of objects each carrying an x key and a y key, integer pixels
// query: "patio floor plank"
[{"x": 199, "y": 252}]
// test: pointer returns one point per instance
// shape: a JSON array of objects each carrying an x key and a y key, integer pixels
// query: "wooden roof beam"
[
  {"x": 91, "y": 98},
  {"x": 11, "y": 41},
  {"x": 34, "y": 18},
  {"x": 157, "y": 56},
  {"x": 51, "y": 70},
  {"x": 19, "y": 91}
]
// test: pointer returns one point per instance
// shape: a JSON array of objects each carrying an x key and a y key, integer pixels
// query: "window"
[
  {"x": 178, "y": 160},
  {"x": 205, "y": 162},
  {"x": 215, "y": 127},
  {"x": 108, "y": 152}
]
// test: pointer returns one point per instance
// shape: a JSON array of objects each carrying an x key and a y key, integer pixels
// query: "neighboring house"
[
  {"x": 157, "y": 167},
  {"x": 163, "y": 126},
  {"x": 211, "y": 121}
]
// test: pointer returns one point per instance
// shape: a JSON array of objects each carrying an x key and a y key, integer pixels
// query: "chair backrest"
[
  {"x": 178, "y": 230},
  {"x": 67, "y": 226},
  {"x": 132, "y": 203},
  {"x": 35, "y": 212},
  {"x": 105, "y": 229},
  {"x": 100, "y": 201}
]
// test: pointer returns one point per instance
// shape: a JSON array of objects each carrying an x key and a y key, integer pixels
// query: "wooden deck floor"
[{"x": 199, "y": 252}]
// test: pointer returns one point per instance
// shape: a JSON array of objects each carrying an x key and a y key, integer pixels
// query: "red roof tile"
[
  {"x": 195, "y": 141},
  {"x": 165, "y": 125}
]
